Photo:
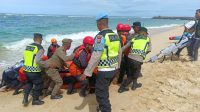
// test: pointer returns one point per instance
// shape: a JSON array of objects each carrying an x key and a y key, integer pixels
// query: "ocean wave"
[
  {"x": 76, "y": 37},
  {"x": 17, "y": 44},
  {"x": 163, "y": 26},
  {"x": 80, "y": 16}
]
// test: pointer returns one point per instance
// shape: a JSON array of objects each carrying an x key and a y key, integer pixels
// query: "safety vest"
[
  {"x": 140, "y": 45},
  {"x": 30, "y": 64},
  {"x": 77, "y": 54},
  {"x": 75, "y": 67},
  {"x": 110, "y": 53}
]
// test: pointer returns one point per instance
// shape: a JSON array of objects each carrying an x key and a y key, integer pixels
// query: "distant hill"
[{"x": 168, "y": 17}]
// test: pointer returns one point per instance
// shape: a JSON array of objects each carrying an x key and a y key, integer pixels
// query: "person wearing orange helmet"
[
  {"x": 80, "y": 62},
  {"x": 52, "y": 48}
]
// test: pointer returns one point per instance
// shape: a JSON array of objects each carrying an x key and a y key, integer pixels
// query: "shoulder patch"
[{"x": 99, "y": 37}]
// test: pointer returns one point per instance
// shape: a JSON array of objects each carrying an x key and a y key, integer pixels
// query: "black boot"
[
  {"x": 56, "y": 96},
  {"x": 122, "y": 89},
  {"x": 16, "y": 92},
  {"x": 70, "y": 89},
  {"x": 25, "y": 100},
  {"x": 136, "y": 84},
  {"x": 124, "y": 85},
  {"x": 36, "y": 101}
]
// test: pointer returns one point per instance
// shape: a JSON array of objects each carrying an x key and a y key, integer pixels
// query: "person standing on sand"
[
  {"x": 140, "y": 46},
  {"x": 196, "y": 40},
  {"x": 123, "y": 33},
  {"x": 32, "y": 55},
  {"x": 106, "y": 57}
]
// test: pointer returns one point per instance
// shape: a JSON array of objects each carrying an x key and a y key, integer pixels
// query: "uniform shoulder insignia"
[{"x": 99, "y": 37}]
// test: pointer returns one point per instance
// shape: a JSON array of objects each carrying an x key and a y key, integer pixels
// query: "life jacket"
[
  {"x": 22, "y": 76},
  {"x": 123, "y": 40},
  {"x": 53, "y": 48},
  {"x": 75, "y": 67}
]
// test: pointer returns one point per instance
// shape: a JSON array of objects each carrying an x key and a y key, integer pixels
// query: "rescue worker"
[
  {"x": 123, "y": 32},
  {"x": 140, "y": 46},
  {"x": 59, "y": 59},
  {"x": 32, "y": 56},
  {"x": 105, "y": 57},
  {"x": 80, "y": 62},
  {"x": 52, "y": 48},
  {"x": 196, "y": 40}
]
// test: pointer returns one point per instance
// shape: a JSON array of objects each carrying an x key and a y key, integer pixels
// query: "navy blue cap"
[
  {"x": 101, "y": 16},
  {"x": 136, "y": 24},
  {"x": 36, "y": 35}
]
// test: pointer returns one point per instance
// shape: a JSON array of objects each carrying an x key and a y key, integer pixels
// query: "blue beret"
[{"x": 101, "y": 16}]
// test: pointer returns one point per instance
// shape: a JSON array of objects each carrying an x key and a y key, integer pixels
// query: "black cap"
[
  {"x": 37, "y": 35},
  {"x": 136, "y": 24},
  {"x": 143, "y": 29}
]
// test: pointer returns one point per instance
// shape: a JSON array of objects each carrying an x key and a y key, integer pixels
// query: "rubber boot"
[{"x": 25, "y": 100}]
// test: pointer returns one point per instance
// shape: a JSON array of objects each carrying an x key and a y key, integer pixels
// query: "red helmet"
[
  {"x": 88, "y": 40},
  {"x": 120, "y": 27},
  {"x": 127, "y": 27},
  {"x": 44, "y": 58}
]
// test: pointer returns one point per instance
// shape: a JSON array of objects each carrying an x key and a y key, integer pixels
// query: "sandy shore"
[{"x": 171, "y": 86}]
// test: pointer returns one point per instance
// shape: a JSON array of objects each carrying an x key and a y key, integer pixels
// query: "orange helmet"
[{"x": 53, "y": 40}]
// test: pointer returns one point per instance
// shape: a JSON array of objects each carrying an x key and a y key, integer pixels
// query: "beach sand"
[{"x": 171, "y": 86}]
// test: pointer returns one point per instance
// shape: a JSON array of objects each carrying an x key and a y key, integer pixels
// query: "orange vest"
[
  {"x": 123, "y": 43},
  {"x": 123, "y": 40},
  {"x": 22, "y": 76},
  {"x": 73, "y": 68}
]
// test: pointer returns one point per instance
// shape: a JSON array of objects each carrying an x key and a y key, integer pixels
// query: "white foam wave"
[
  {"x": 18, "y": 44},
  {"x": 80, "y": 16},
  {"x": 163, "y": 26},
  {"x": 76, "y": 37}
]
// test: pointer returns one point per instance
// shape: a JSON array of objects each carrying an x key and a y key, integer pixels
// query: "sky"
[{"x": 139, "y": 8}]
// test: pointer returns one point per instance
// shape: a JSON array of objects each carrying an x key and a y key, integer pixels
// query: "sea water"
[{"x": 16, "y": 31}]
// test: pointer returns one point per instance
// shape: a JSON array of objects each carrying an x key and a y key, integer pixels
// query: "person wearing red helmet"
[
  {"x": 80, "y": 62},
  {"x": 123, "y": 32},
  {"x": 52, "y": 48}
]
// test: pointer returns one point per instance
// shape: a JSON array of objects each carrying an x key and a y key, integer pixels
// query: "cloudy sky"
[{"x": 142, "y": 8}]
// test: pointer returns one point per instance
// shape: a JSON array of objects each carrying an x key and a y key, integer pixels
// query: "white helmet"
[{"x": 189, "y": 24}]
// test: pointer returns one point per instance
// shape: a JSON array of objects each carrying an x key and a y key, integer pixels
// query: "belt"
[{"x": 107, "y": 69}]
